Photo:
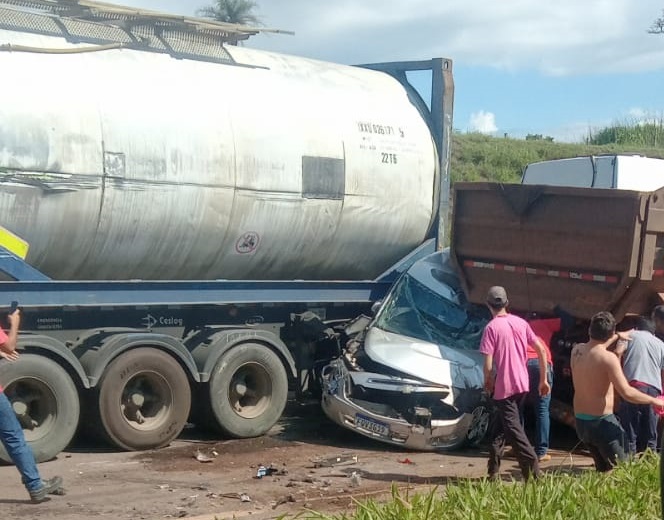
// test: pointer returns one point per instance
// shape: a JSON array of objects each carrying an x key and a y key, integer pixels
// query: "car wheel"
[{"x": 479, "y": 426}]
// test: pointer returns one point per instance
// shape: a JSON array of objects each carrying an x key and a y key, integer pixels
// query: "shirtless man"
[{"x": 595, "y": 373}]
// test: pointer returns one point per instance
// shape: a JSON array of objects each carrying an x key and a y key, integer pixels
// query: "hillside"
[{"x": 477, "y": 157}]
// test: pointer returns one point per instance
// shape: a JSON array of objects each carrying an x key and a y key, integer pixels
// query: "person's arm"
[
  {"x": 617, "y": 345},
  {"x": 488, "y": 374},
  {"x": 8, "y": 347},
  {"x": 627, "y": 392},
  {"x": 486, "y": 349},
  {"x": 620, "y": 348},
  {"x": 540, "y": 348},
  {"x": 538, "y": 345},
  {"x": 621, "y": 344}
]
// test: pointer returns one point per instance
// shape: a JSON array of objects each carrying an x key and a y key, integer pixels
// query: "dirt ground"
[{"x": 203, "y": 478}]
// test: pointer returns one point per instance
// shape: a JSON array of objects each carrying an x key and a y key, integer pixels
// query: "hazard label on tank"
[{"x": 247, "y": 243}]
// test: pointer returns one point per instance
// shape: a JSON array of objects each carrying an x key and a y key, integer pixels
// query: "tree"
[
  {"x": 657, "y": 26},
  {"x": 231, "y": 11},
  {"x": 539, "y": 137}
]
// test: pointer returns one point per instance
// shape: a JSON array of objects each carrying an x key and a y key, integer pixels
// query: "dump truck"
[
  {"x": 561, "y": 252},
  {"x": 179, "y": 210}
]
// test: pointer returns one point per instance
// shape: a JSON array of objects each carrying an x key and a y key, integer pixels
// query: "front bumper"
[{"x": 369, "y": 420}]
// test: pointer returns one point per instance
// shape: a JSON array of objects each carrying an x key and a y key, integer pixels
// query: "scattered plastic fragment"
[
  {"x": 344, "y": 458},
  {"x": 202, "y": 457},
  {"x": 355, "y": 479}
]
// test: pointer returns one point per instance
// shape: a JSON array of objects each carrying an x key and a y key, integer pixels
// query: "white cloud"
[
  {"x": 637, "y": 113},
  {"x": 642, "y": 116},
  {"x": 558, "y": 38},
  {"x": 482, "y": 122},
  {"x": 565, "y": 39}
]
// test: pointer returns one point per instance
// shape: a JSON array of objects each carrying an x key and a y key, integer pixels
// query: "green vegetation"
[
  {"x": 231, "y": 11},
  {"x": 650, "y": 134},
  {"x": 630, "y": 492},
  {"x": 477, "y": 157}
]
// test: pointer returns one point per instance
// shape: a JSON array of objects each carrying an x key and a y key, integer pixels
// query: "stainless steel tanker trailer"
[{"x": 187, "y": 205}]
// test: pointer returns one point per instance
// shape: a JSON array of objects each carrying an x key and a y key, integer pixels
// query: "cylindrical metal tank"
[{"x": 124, "y": 164}]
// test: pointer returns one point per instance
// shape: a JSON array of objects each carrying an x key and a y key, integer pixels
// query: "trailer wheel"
[
  {"x": 248, "y": 390},
  {"x": 45, "y": 401},
  {"x": 144, "y": 399}
]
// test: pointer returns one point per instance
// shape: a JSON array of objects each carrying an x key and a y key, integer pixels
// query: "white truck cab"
[{"x": 625, "y": 172}]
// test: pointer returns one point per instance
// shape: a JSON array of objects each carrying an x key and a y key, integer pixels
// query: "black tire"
[
  {"x": 248, "y": 390},
  {"x": 46, "y": 401},
  {"x": 144, "y": 399}
]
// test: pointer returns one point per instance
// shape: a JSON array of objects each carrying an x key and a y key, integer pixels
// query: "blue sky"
[{"x": 520, "y": 66}]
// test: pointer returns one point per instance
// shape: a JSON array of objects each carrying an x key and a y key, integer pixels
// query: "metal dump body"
[{"x": 581, "y": 249}]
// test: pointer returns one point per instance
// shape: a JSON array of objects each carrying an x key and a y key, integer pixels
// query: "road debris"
[
  {"x": 190, "y": 500},
  {"x": 327, "y": 462},
  {"x": 267, "y": 471},
  {"x": 284, "y": 500},
  {"x": 242, "y": 497},
  {"x": 202, "y": 457}
]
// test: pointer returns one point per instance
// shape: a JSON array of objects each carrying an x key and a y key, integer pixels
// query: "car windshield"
[{"x": 413, "y": 309}]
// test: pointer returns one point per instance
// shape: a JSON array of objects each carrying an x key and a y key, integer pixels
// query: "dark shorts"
[{"x": 604, "y": 438}]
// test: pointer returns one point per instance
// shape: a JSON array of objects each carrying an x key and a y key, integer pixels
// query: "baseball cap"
[{"x": 497, "y": 295}]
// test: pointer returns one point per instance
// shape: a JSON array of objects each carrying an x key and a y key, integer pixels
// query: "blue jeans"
[
  {"x": 13, "y": 440},
  {"x": 640, "y": 422},
  {"x": 541, "y": 406}
]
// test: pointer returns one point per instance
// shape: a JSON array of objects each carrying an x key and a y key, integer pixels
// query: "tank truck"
[{"x": 178, "y": 210}]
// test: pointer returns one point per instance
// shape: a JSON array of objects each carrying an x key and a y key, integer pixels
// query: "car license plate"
[{"x": 366, "y": 423}]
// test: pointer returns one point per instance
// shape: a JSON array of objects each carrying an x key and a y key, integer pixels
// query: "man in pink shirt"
[{"x": 505, "y": 347}]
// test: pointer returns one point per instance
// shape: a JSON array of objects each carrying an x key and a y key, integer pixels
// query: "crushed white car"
[{"x": 412, "y": 375}]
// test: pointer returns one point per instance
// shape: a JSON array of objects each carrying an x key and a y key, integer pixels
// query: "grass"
[
  {"x": 630, "y": 492},
  {"x": 648, "y": 133},
  {"x": 477, "y": 157}
]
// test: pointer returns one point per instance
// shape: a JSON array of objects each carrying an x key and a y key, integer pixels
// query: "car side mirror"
[{"x": 376, "y": 307}]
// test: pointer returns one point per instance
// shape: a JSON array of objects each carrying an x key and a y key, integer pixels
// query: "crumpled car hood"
[{"x": 435, "y": 363}]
